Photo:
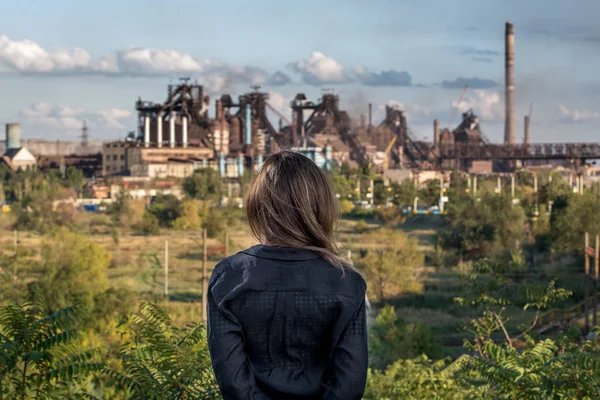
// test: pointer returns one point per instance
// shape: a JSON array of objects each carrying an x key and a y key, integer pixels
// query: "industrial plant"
[{"x": 176, "y": 136}]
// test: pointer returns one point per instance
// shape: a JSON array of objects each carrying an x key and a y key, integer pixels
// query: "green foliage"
[
  {"x": 215, "y": 223},
  {"x": 149, "y": 225},
  {"x": 204, "y": 184},
  {"x": 571, "y": 219},
  {"x": 75, "y": 179},
  {"x": 72, "y": 271},
  {"x": 190, "y": 219},
  {"x": 391, "y": 339},
  {"x": 483, "y": 228},
  {"x": 361, "y": 226},
  {"x": 163, "y": 361},
  {"x": 166, "y": 208},
  {"x": 404, "y": 193},
  {"x": 420, "y": 378},
  {"x": 430, "y": 193},
  {"x": 390, "y": 216},
  {"x": 40, "y": 356},
  {"x": 124, "y": 211},
  {"x": 346, "y": 207},
  {"x": 392, "y": 266}
]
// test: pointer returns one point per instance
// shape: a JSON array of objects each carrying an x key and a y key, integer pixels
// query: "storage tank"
[{"x": 13, "y": 136}]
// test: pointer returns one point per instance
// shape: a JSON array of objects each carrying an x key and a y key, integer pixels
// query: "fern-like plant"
[
  {"x": 40, "y": 356},
  {"x": 163, "y": 361}
]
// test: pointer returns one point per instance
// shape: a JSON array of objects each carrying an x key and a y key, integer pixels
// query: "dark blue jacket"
[{"x": 285, "y": 324}]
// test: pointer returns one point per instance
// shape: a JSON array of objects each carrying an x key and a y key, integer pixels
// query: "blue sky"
[{"x": 63, "y": 61}]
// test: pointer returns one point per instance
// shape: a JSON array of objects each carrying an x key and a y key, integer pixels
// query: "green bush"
[
  {"x": 361, "y": 226},
  {"x": 150, "y": 226}
]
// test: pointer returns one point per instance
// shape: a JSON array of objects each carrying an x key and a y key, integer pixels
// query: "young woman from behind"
[{"x": 287, "y": 318}]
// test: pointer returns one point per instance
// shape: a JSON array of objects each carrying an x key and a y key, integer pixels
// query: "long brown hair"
[{"x": 291, "y": 203}]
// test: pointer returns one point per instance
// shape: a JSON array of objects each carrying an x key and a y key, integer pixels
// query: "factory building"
[{"x": 16, "y": 157}]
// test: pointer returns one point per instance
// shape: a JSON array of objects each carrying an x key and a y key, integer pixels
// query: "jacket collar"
[{"x": 280, "y": 253}]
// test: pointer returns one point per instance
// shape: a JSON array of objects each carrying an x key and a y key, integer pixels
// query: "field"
[{"x": 138, "y": 264}]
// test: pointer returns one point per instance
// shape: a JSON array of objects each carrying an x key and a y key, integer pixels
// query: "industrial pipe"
[
  {"x": 147, "y": 131},
  {"x": 248, "y": 124},
  {"x": 526, "y": 134},
  {"x": 159, "y": 129},
  {"x": 184, "y": 131},
  {"x": 240, "y": 165},
  {"x": 172, "y": 130},
  {"x": 222, "y": 164}
]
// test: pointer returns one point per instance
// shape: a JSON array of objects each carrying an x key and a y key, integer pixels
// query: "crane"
[{"x": 456, "y": 108}]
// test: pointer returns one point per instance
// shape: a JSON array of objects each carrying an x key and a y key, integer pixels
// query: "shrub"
[{"x": 361, "y": 226}]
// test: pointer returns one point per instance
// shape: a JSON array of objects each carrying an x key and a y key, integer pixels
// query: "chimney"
[
  {"x": 436, "y": 132},
  {"x": 219, "y": 112},
  {"x": 370, "y": 115},
  {"x": 509, "y": 124},
  {"x": 526, "y": 135}
]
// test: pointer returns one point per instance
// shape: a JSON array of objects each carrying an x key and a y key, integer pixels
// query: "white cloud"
[
  {"x": 572, "y": 115},
  {"x": 486, "y": 105},
  {"x": 28, "y": 57},
  {"x": 44, "y": 115},
  {"x": 413, "y": 112},
  {"x": 319, "y": 69}
]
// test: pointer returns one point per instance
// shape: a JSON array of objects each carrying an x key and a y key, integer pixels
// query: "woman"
[{"x": 286, "y": 318}]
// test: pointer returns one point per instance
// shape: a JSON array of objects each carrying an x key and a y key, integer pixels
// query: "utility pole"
[
  {"x": 535, "y": 185},
  {"x": 475, "y": 185},
  {"x": 204, "y": 278},
  {"x": 166, "y": 268},
  {"x": 586, "y": 284},
  {"x": 596, "y": 273},
  {"x": 499, "y": 185},
  {"x": 512, "y": 185}
]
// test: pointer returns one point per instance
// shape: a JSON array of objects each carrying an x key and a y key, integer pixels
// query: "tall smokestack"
[
  {"x": 509, "y": 124},
  {"x": 526, "y": 133},
  {"x": 436, "y": 132},
  {"x": 370, "y": 115}
]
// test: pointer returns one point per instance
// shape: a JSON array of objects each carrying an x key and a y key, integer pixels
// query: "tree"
[
  {"x": 75, "y": 179},
  {"x": 390, "y": 216},
  {"x": 165, "y": 362},
  {"x": 391, "y": 339},
  {"x": 404, "y": 193},
  {"x": 72, "y": 271},
  {"x": 430, "y": 194},
  {"x": 203, "y": 184},
  {"x": 191, "y": 215},
  {"x": 148, "y": 226},
  {"x": 166, "y": 208},
  {"x": 391, "y": 265},
  {"x": 40, "y": 356},
  {"x": 571, "y": 219},
  {"x": 486, "y": 227}
]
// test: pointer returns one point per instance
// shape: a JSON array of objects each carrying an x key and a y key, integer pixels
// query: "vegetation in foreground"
[{"x": 486, "y": 272}]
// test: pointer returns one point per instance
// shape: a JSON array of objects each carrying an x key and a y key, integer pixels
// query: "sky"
[{"x": 65, "y": 61}]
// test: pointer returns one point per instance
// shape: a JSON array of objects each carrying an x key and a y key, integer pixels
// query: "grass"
[{"x": 138, "y": 265}]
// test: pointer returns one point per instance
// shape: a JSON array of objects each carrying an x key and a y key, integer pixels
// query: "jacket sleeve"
[
  {"x": 226, "y": 346},
  {"x": 349, "y": 363}
]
